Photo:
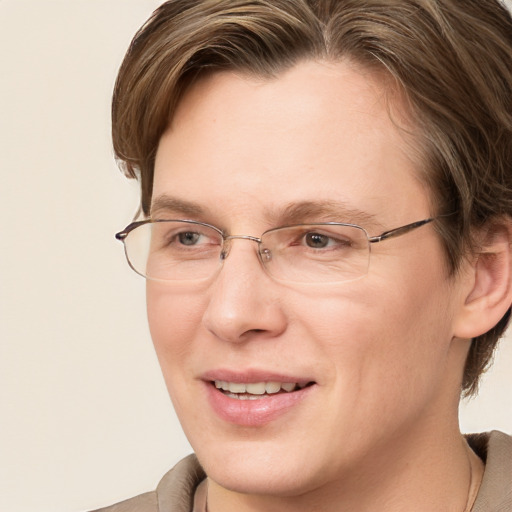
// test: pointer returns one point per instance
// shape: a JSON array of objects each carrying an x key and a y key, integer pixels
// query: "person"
[{"x": 325, "y": 229}]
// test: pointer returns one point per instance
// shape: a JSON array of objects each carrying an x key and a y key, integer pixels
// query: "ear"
[{"x": 487, "y": 289}]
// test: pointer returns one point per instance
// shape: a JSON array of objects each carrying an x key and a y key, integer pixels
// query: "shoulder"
[
  {"x": 146, "y": 502},
  {"x": 495, "y": 449},
  {"x": 174, "y": 493}
]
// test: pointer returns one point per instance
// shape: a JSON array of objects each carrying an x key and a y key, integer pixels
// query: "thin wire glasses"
[{"x": 186, "y": 250}]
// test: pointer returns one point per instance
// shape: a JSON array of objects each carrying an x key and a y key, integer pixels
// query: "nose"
[{"x": 243, "y": 301}]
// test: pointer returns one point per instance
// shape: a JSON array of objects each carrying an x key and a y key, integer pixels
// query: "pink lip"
[{"x": 252, "y": 413}]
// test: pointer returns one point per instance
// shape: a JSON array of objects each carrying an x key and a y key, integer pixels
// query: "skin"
[{"x": 378, "y": 429}]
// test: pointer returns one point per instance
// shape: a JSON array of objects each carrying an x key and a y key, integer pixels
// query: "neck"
[{"x": 416, "y": 471}]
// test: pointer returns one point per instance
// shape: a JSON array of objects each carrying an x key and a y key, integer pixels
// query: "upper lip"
[{"x": 252, "y": 375}]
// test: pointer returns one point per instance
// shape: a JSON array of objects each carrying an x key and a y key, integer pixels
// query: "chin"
[
  {"x": 241, "y": 478},
  {"x": 261, "y": 468}
]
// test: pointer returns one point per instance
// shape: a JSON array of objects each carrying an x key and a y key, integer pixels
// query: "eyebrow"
[
  {"x": 168, "y": 204},
  {"x": 327, "y": 211},
  {"x": 293, "y": 213}
]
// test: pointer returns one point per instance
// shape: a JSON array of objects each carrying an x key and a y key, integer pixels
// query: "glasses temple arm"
[{"x": 392, "y": 233}]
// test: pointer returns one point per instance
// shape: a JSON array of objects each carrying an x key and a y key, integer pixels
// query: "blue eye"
[{"x": 189, "y": 238}]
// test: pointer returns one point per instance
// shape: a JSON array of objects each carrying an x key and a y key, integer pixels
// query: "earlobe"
[{"x": 489, "y": 290}]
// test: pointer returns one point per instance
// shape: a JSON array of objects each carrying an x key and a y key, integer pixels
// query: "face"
[{"x": 376, "y": 353}]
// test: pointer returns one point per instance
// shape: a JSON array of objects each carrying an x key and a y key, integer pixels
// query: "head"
[
  {"x": 456, "y": 85},
  {"x": 440, "y": 70}
]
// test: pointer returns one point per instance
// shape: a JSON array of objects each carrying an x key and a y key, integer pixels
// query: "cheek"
[
  {"x": 174, "y": 317},
  {"x": 386, "y": 344}
]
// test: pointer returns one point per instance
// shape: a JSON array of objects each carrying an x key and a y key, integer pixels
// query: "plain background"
[{"x": 84, "y": 415}]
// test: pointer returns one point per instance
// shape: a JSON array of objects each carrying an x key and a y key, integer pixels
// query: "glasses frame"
[{"x": 386, "y": 235}]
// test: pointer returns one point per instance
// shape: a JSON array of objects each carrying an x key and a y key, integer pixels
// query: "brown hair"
[{"x": 452, "y": 60}]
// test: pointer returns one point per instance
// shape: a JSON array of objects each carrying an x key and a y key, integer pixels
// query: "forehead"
[{"x": 317, "y": 132}]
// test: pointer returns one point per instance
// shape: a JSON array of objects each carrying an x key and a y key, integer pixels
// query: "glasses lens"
[
  {"x": 316, "y": 253},
  {"x": 173, "y": 250}
]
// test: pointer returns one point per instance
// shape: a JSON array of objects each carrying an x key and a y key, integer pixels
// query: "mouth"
[
  {"x": 257, "y": 390},
  {"x": 254, "y": 398}
]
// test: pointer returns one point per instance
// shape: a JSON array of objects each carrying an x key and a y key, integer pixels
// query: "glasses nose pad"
[
  {"x": 224, "y": 253},
  {"x": 265, "y": 254}
]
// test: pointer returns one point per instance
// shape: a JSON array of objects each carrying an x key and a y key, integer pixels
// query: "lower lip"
[{"x": 254, "y": 413}]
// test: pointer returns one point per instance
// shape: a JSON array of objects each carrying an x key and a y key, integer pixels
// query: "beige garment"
[
  {"x": 174, "y": 493},
  {"x": 495, "y": 494},
  {"x": 176, "y": 490}
]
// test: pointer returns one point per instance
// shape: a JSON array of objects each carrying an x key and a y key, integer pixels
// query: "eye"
[
  {"x": 316, "y": 240},
  {"x": 322, "y": 241},
  {"x": 178, "y": 236},
  {"x": 189, "y": 238}
]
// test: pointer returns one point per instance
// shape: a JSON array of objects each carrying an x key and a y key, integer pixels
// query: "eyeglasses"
[{"x": 186, "y": 250}]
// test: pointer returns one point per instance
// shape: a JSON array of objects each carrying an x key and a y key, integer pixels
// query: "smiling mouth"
[{"x": 257, "y": 390}]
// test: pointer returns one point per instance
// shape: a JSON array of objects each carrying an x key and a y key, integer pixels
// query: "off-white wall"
[{"x": 84, "y": 416}]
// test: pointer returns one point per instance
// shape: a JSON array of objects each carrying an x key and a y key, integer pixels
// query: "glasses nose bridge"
[
  {"x": 227, "y": 246},
  {"x": 243, "y": 237}
]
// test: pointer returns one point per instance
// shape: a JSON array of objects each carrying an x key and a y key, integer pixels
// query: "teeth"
[
  {"x": 272, "y": 387},
  {"x": 257, "y": 388},
  {"x": 235, "y": 387}
]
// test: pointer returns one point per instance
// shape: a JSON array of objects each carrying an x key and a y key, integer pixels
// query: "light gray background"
[{"x": 84, "y": 416}]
